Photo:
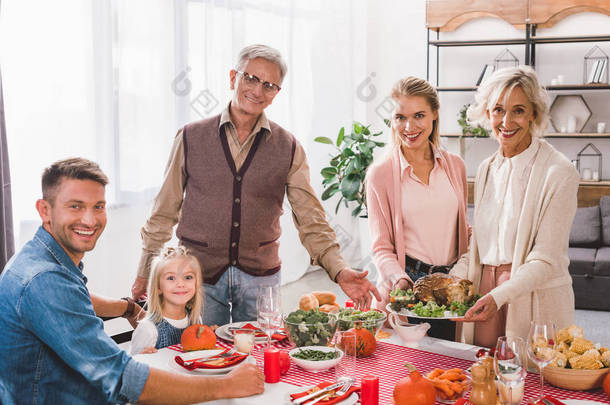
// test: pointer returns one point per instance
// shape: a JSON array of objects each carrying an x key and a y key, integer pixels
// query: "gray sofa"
[{"x": 589, "y": 253}]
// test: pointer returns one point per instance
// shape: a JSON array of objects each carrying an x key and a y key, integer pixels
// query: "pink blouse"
[{"x": 429, "y": 215}]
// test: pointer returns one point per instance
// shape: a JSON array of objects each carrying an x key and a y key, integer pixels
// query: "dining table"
[{"x": 387, "y": 363}]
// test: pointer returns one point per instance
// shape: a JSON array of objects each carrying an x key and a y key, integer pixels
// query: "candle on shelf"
[
  {"x": 271, "y": 366},
  {"x": 369, "y": 390},
  {"x": 586, "y": 174},
  {"x": 595, "y": 176},
  {"x": 243, "y": 339}
]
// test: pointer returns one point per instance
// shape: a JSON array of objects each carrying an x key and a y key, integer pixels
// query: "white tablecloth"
[{"x": 276, "y": 394}]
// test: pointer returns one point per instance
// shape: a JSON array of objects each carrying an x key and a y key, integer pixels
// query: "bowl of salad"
[
  {"x": 372, "y": 319},
  {"x": 403, "y": 302},
  {"x": 310, "y": 328},
  {"x": 316, "y": 358}
]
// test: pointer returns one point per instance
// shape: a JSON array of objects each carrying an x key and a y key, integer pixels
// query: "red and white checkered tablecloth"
[{"x": 388, "y": 364}]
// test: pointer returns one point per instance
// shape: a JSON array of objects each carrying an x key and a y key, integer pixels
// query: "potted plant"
[
  {"x": 467, "y": 129},
  {"x": 347, "y": 169}
]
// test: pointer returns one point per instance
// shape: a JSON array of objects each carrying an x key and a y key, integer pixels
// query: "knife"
[{"x": 306, "y": 398}]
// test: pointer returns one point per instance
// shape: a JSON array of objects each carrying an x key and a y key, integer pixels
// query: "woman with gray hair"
[{"x": 525, "y": 201}]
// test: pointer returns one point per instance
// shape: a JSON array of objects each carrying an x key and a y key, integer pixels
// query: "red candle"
[
  {"x": 271, "y": 367},
  {"x": 349, "y": 303},
  {"x": 369, "y": 390}
]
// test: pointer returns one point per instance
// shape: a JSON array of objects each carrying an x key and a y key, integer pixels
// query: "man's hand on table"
[
  {"x": 357, "y": 287},
  {"x": 138, "y": 290},
  {"x": 482, "y": 310},
  {"x": 245, "y": 380}
]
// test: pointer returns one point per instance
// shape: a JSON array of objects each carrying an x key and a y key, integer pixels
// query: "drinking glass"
[
  {"x": 346, "y": 341},
  {"x": 510, "y": 365},
  {"x": 541, "y": 347},
  {"x": 269, "y": 310}
]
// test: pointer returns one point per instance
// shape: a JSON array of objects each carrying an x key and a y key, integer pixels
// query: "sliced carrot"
[
  {"x": 452, "y": 376},
  {"x": 444, "y": 388},
  {"x": 435, "y": 373}
]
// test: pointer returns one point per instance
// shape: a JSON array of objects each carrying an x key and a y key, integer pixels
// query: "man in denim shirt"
[{"x": 54, "y": 348}]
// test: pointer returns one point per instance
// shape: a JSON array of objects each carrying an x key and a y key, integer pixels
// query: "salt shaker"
[{"x": 483, "y": 385}]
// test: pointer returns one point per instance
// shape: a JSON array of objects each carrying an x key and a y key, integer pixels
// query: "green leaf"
[
  {"x": 378, "y": 133},
  {"x": 347, "y": 152},
  {"x": 351, "y": 166},
  {"x": 380, "y": 143},
  {"x": 350, "y": 185},
  {"x": 324, "y": 139},
  {"x": 329, "y": 180},
  {"x": 357, "y": 127},
  {"x": 338, "y": 204},
  {"x": 366, "y": 130},
  {"x": 330, "y": 191},
  {"x": 357, "y": 211},
  {"x": 340, "y": 136},
  {"x": 387, "y": 122},
  {"x": 365, "y": 148},
  {"x": 329, "y": 172}
]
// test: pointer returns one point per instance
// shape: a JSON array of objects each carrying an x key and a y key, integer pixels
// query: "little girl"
[{"x": 175, "y": 301}]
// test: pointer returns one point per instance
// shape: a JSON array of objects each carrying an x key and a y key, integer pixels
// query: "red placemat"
[{"x": 388, "y": 364}]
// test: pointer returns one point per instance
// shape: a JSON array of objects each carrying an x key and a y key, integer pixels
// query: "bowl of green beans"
[{"x": 316, "y": 358}]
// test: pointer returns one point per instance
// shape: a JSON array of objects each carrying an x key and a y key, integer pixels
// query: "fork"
[
  {"x": 226, "y": 354},
  {"x": 342, "y": 391}
]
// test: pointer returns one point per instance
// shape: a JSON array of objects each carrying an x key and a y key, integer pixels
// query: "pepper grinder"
[{"x": 483, "y": 385}]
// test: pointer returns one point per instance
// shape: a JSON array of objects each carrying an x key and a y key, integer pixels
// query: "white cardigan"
[{"x": 540, "y": 286}]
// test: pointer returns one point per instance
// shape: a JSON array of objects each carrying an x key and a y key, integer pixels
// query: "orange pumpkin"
[
  {"x": 414, "y": 390},
  {"x": 606, "y": 384},
  {"x": 198, "y": 337},
  {"x": 365, "y": 342}
]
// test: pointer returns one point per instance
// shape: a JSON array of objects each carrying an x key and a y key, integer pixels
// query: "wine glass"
[
  {"x": 269, "y": 310},
  {"x": 510, "y": 365},
  {"x": 541, "y": 347}
]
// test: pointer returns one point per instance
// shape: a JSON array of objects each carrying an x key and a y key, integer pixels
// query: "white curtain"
[{"x": 113, "y": 80}]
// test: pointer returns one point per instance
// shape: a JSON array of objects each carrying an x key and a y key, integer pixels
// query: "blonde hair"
[
  {"x": 194, "y": 305},
  {"x": 411, "y": 86},
  {"x": 507, "y": 79}
]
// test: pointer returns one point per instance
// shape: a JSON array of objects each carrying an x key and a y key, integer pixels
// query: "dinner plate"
[
  {"x": 580, "y": 402},
  {"x": 352, "y": 399},
  {"x": 204, "y": 371},
  {"x": 411, "y": 314},
  {"x": 223, "y": 331}
]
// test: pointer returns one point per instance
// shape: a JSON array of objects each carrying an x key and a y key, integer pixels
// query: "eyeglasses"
[{"x": 252, "y": 81}]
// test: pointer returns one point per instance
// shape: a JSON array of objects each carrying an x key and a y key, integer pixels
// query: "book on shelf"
[
  {"x": 485, "y": 73},
  {"x": 593, "y": 72},
  {"x": 600, "y": 72}
]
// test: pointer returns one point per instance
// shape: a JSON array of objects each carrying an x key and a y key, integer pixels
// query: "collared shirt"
[
  {"x": 54, "y": 348},
  {"x": 502, "y": 201},
  {"x": 429, "y": 214},
  {"x": 309, "y": 217}
]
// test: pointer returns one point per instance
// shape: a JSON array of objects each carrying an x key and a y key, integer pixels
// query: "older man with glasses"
[{"x": 225, "y": 184}]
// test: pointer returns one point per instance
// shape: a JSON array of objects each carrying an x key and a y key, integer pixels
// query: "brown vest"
[{"x": 232, "y": 217}]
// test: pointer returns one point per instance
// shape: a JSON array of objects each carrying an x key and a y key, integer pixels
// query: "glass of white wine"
[
  {"x": 269, "y": 310},
  {"x": 541, "y": 347}
]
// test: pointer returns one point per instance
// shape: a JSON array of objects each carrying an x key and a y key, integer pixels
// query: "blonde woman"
[
  {"x": 416, "y": 198},
  {"x": 525, "y": 201},
  {"x": 175, "y": 301}
]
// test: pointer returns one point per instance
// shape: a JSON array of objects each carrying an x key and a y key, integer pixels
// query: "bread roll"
[
  {"x": 329, "y": 307},
  {"x": 325, "y": 297},
  {"x": 308, "y": 301}
]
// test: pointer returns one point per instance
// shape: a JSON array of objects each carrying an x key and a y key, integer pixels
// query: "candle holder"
[
  {"x": 505, "y": 59},
  {"x": 595, "y": 66},
  {"x": 589, "y": 151}
]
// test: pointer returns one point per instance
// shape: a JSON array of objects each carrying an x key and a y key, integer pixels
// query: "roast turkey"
[{"x": 443, "y": 289}]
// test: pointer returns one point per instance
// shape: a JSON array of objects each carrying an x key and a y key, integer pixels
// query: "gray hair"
[
  {"x": 507, "y": 79},
  {"x": 262, "y": 51}
]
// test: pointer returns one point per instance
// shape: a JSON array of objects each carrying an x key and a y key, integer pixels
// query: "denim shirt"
[{"x": 53, "y": 348}]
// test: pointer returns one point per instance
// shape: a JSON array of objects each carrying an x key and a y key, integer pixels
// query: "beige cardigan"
[{"x": 540, "y": 286}]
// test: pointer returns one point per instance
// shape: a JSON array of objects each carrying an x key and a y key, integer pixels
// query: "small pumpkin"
[
  {"x": 414, "y": 389},
  {"x": 365, "y": 342},
  {"x": 198, "y": 337}
]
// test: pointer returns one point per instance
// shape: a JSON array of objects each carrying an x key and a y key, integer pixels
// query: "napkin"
[
  {"x": 548, "y": 399},
  {"x": 277, "y": 336},
  {"x": 328, "y": 401},
  {"x": 212, "y": 363}
]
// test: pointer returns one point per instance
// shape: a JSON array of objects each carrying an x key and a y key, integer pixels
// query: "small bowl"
[
  {"x": 316, "y": 366},
  {"x": 372, "y": 324},
  {"x": 443, "y": 398},
  {"x": 575, "y": 379}
]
